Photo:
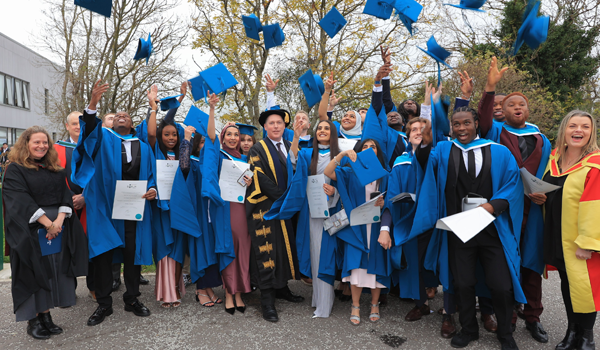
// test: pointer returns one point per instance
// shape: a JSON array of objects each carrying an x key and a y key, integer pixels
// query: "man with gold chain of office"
[{"x": 273, "y": 257}]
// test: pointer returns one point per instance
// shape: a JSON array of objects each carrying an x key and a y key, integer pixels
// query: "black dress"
[
  {"x": 553, "y": 249},
  {"x": 41, "y": 282}
]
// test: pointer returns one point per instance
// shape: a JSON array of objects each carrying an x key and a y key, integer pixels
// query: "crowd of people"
[{"x": 410, "y": 162}]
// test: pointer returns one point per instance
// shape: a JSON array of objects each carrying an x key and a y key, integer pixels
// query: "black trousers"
[
  {"x": 586, "y": 321},
  {"x": 463, "y": 257},
  {"x": 116, "y": 271},
  {"x": 89, "y": 279},
  {"x": 422, "y": 244},
  {"x": 103, "y": 275}
]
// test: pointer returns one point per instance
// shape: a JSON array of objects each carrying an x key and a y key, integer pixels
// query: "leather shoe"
[
  {"x": 137, "y": 308},
  {"x": 269, "y": 313},
  {"x": 448, "y": 326},
  {"x": 417, "y": 312},
  {"x": 489, "y": 322},
  {"x": 143, "y": 280},
  {"x": 431, "y": 292},
  {"x": 508, "y": 344},
  {"x": 570, "y": 339},
  {"x": 537, "y": 331},
  {"x": 587, "y": 340},
  {"x": 289, "y": 296},
  {"x": 46, "y": 320},
  {"x": 36, "y": 329},
  {"x": 461, "y": 339},
  {"x": 116, "y": 284},
  {"x": 99, "y": 315}
]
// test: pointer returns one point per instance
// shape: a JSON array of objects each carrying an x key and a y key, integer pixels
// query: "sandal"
[
  {"x": 374, "y": 315},
  {"x": 165, "y": 305},
  {"x": 217, "y": 300},
  {"x": 208, "y": 302},
  {"x": 354, "y": 317},
  {"x": 176, "y": 303}
]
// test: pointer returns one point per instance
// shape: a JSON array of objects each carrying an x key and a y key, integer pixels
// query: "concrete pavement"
[{"x": 192, "y": 326}]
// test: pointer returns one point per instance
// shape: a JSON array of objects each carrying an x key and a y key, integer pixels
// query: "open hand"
[
  {"x": 212, "y": 99},
  {"x": 466, "y": 85},
  {"x": 428, "y": 89},
  {"x": 271, "y": 85},
  {"x": 494, "y": 75},
  {"x": 97, "y": 92},
  {"x": 350, "y": 154},
  {"x": 333, "y": 99},
  {"x": 329, "y": 83},
  {"x": 386, "y": 54},
  {"x": 152, "y": 95}
]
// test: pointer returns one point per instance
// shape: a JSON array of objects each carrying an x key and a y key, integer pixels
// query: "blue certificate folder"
[{"x": 49, "y": 246}]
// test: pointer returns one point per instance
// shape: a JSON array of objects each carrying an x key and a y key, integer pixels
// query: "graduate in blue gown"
[
  {"x": 169, "y": 245},
  {"x": 317, "y": 250},
  {"x": 366, "y": 263},
  {"x": 463, "y": 168},
  {"x": 102, "y": 157}
]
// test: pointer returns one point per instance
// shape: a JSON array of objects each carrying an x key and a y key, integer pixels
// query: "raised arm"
[
  {"x": 377, "y": 95},
  {"x": 324, "y": 105},
  {"x": 89, "y": 115},
  {"x": 271, "y": 85},
  {"x": 486, "y": 105},
  {"x": 298, "y": 127},
  {"x": 183, "y": 90},
  {"x": 212, "y": 101},
  {"x": 151, "y": 121},
  {"x": 388, "y": 103},
  {"x": 330, "y": 169}
]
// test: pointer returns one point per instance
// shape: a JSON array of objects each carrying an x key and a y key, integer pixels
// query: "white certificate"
[
  {"x": 165, "y": 174},
  {"x": 129, "y": 204},
  {"x": 366, "y": 213},
  {"x": 346, "y": 144},
  {"x": 532, "y": 184},
  {"x": 404, "y": 197},
  {"x": 230, "y": 181},
  {"x": 466, "y": 224},
  {"x": 317, "y": 199}
]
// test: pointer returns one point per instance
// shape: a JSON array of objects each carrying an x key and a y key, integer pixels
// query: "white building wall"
[{"x": 21, "y": 63}]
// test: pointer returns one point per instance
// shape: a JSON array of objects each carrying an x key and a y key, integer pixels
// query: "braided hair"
[
  {"x": 404, "y": 113},
  {"x": 468, "y": 110}
]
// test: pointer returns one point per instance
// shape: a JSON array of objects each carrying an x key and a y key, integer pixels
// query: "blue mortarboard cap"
[
  {"x": 332, "y": 22},
  {"x": 273, "y": 35},
  {"x": 170, "y": 102},
  {"x": 473, "y": 5},
  {"x": 102, "y": 7},
  {"x": 252, "y": 26},
  {"x": 198, "y": 120},
  {"x": 534, "y": 30},
  {"x": 379, "y": 8},
  {"x": 144, "y": 49},
  {"x": 438, "y": 53},
  {"x": 246, "y": 129},
  {"x": 408, "y": 12},
  {"x": 216, "y": 79},
  {"x": 367, "y": 167},
  {"x": 312, "y": 86}
]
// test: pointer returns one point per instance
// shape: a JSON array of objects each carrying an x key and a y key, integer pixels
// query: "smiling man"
[
  {"x": 531, "y": 149},
  {"x": 273, "y": 257}
]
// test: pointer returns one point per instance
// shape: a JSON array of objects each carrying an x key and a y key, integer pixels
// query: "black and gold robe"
[{"x": 273, "y": 258}]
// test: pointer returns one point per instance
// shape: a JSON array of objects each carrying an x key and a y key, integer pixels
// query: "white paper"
[
  {"x": 317, "y": 199},
  {"x": 231, "y": 189},
  {"x": 466, "y": 224},
  {"x": 346, "y": 144},
  {"x": 129, "y": 204},
  {"x": 532, "y": 184},
  {"x": 404, "y": 195},
  {"x": 366, "y": 213},
  {"x": 165, "y": 174}
]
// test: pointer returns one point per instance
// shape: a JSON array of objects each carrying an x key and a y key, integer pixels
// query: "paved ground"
[{"x": 192, "y": 326}]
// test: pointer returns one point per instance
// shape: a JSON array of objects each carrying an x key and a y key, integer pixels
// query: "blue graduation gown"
[
  {"x": 294, "y": 200},
  {"x": 532, "y": 255},
  {"x": 96, "y": 165},
  {"x": 431, "y": 206},
  {"x": 375, "y": 260}
]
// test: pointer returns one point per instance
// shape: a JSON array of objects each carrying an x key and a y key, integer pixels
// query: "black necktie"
[
  {"x": 523, "y": 148},
  {"x": 471, "y": 168},
  {"x": 281, "y": 155}
]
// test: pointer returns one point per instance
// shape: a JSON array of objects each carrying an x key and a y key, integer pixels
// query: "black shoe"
[
  {"x": 289, "y": 296},
  {"x": 143, "y": 281},
  {"x": 99, "y": 315},
  {"x": 241, "y": 309},
  {"x": 570, "y": 339},
  {"x": 509, "y": 344},
  {"x": 137, "y": 308},
  {"x": 269, "y": 313},
  {"x": 460, "y": 340},
  {"x": 587, "y": 340},
  {"x": 116, "y": 284},
  {"x": 46, "y": 320},
  {"x": 36, "y": 329},
  {"x": 537, "y": 331}
]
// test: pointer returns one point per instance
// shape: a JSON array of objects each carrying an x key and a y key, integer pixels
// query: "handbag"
[
  {"x": 472, "y": 201},
  {"x": 336, "y": 222}
]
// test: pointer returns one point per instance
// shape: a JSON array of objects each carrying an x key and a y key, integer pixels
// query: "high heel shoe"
[
  {"x": 240, "y": 308},
  {"x": 230, "y": 310}
]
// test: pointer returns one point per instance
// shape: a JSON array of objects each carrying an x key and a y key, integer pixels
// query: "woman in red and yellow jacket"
[{"x": 571, "y": 230}]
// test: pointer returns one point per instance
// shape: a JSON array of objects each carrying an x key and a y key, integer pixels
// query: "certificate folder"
[{"x": 48, "y": 246}]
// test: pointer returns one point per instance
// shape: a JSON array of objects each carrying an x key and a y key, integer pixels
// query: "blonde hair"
[
  {"x": 19, "y": 153},
  {"x": 423, "y": 121},
  {"x": 561, "y": 146}
]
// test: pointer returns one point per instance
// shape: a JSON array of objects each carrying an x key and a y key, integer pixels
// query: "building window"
[
  {"x": 46, "y": 101},
  {"x": 26, "y": 95},
  {"x": 2, "y": 90},
  {"x": 14, "y": 92},
  {"x": 18, "y": 93},
  {"x": 10, "y": 99}
]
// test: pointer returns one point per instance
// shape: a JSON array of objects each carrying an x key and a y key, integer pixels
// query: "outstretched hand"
[
  {"x": 271, "y": 85},
  {"x": 213, "y": 99},
  {"x": 494, "y": 75},
  {"x": 299, "y": 126},
  {"x": 437, "y": 94},
  {"x": 333, "y": 100},
  {"x": 329, "y": 83},
  {"x": 97, "y": 92},
  {"x": 386, "y": 54},
  {"x": 466, "y": 85},
  {"x": 152, "y": 95},
  {"x": 428, "y": 89}
]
